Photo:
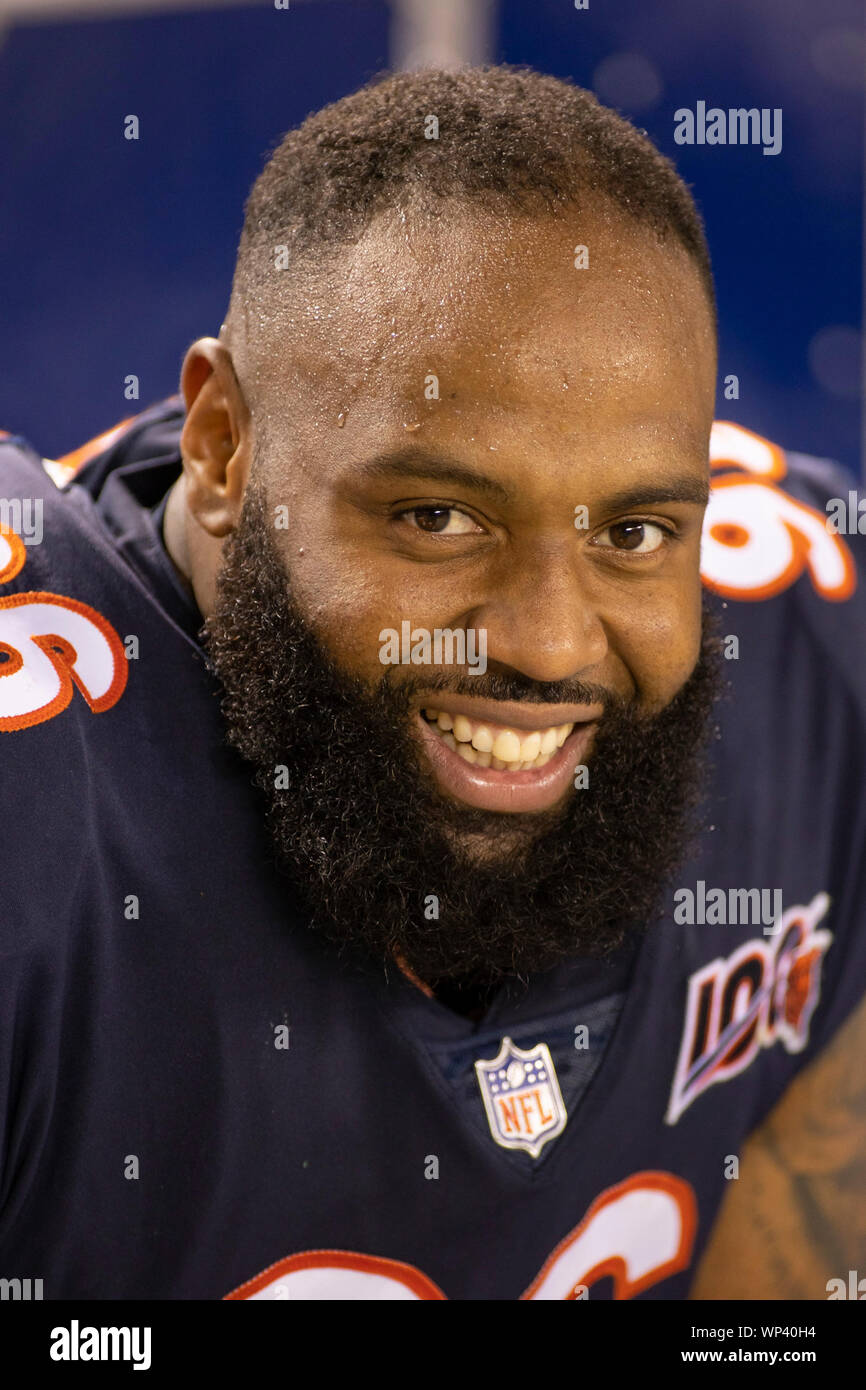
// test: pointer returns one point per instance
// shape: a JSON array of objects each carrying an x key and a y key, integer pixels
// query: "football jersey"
[{"x": 200, "y": 1100}]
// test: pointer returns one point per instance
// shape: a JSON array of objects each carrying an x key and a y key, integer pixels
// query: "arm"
[{"x": 796, "y": 1216}]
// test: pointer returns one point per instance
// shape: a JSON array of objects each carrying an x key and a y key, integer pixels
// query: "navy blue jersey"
[{"x": 199, "y": 1100}]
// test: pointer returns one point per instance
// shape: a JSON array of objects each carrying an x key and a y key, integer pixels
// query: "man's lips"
[
  {"x": 505, "y": 790},
  {"x": 512, "y": 714}
]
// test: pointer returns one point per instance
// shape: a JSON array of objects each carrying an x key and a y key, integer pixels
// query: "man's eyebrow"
[
  {"x": 415, "y": 463},
  {"x": 695, "y": 490}
]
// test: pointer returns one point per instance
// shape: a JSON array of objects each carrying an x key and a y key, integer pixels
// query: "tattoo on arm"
[{"x": 796, "y": 1216}]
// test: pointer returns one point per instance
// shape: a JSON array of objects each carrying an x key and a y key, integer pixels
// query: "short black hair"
[{"x": 507, "y": 135}]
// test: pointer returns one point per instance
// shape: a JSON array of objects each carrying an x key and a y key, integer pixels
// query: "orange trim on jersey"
[
  {"x": 17, "y": 557},
  {"x": 85, "y": 452},
  {"x": 15, "y": 660},
  {"x": 407, "y": 1275},
  {"x": 801, "y": 546},
  {"x": 412, "y": 977},
  {"x": 784, "y": 580},
  {"x": 62, "y": 655},
  {"x": 725, "y": 453},
  {"x": 71, "y": 462},
  {"x": 729, "y": 533},
  {"x": 615, "y": 1265}
]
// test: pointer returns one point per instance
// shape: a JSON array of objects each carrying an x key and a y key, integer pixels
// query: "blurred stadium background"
[{"x": 114, "y": 254}]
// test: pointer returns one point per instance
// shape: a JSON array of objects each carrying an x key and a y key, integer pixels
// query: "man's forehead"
[{"x": 494, "y": 311}]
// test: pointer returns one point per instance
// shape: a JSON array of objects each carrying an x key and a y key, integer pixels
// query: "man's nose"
[{"x": 542, "y": 621}]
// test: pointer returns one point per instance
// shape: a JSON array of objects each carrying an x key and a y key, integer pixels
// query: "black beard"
[{"x": 371, "y": 843}]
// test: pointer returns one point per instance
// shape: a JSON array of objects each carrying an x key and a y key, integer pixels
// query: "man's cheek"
[
  {"x": 355, "y": 637},
  {"x": 349, "y": 638},
  {"x": 661, "y": 654},
  {"x": 368, "y": 625}
]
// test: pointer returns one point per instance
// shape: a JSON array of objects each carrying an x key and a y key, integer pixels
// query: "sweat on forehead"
[
  {"x": 496, "y": 305},
  {"x": 492, "y": 138}
]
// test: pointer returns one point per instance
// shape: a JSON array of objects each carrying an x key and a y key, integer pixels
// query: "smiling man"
[
  {"x": 430, "y": 418},
  {"x": 320, "y": 959},
  {"x": 458, "y": 513}
]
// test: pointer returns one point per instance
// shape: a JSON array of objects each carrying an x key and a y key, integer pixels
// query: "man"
[{"x": 414, "y": 887}]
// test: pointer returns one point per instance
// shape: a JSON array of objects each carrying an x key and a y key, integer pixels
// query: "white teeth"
[
  {"x": 507, "y": 747},
  {"x": 548, "y": 741},
  {"x": 506, "y": 750},
  {"x": 530, "y": 748}
]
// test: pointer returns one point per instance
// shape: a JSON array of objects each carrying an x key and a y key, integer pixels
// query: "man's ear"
[{"x": 215, "y": 442}]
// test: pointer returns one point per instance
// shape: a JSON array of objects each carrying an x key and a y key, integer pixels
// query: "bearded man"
[{"x": 342, "y": 968}]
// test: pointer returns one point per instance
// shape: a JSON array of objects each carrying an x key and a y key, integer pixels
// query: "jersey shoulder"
[
  {"x": 76, "y": 576},
  {"x": 775, "y": 516},
  {"x": 784, "y": 548}
]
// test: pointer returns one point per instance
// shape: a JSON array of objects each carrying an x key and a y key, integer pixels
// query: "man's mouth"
[
  {"x": 518, "y": 762},
  {"x": 491, "y": 745}
]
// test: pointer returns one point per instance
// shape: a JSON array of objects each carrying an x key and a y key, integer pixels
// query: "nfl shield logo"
[{"x": 522, "y": 1097}]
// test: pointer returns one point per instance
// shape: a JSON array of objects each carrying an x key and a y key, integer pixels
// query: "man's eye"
[
  {"x": 440, "y": 521},
  {"x": 638, "y": 537}
]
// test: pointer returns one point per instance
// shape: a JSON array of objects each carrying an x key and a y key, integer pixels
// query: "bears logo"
[{"x": 761, "y": 994}]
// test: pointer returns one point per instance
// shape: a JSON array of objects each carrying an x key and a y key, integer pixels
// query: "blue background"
[{"x": 115, "y": 254}]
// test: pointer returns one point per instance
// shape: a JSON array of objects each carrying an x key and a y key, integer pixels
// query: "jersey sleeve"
[{"x": 784, "y": 546}]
